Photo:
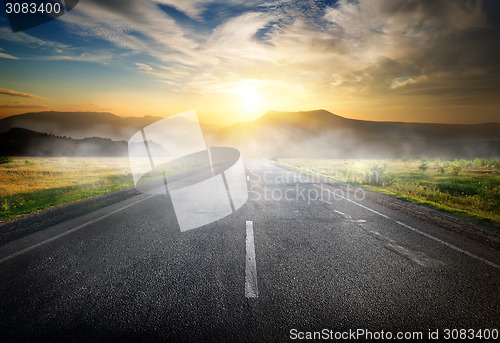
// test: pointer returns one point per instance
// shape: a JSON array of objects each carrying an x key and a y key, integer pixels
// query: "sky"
[{"x": 234, "y": 60}]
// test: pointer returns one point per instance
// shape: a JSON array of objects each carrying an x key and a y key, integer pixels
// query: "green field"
[
  {"x": 28, "y": 185},
  {"x": 469, "y": 188}
]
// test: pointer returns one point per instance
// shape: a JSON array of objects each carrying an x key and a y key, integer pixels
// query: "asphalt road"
[{"x": 327, "y": 256}]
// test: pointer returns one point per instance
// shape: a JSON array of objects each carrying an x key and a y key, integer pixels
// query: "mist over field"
[
  {"x": 321, "y": 134},
  {"x": 315, "y": 134}
]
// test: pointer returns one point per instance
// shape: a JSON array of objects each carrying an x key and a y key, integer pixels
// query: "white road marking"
[
  {"x": 342, "y": 213},
  {"x": 21, "y": 252},
  {"x": 343, "y": 197},
  {"x": 418, "y": 257},
  {"x": 449, "y": 245},
  {"x": 251, "y": 289}
]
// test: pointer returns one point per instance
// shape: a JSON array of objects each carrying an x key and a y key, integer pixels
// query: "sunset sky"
[{"x": 400, "y": 60}]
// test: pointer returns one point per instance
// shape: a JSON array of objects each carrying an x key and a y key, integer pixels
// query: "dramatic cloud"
[
  {"x": 320, "y": 53},
  {"x": 339, "y": 45},
  {"x": 374, "y": 46}
]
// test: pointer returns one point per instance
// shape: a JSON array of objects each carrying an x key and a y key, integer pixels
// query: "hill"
[
  {"x": 323, "y": 134},
  {"x": 78, "y": 125},
  {"x": 23, "y": 142}
]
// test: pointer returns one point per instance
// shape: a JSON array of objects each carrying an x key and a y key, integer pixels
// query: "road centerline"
[{"x": 251, "y": 289}]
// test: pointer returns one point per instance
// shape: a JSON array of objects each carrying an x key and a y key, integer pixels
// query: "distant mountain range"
[
  {"x": 315, "y": 134},
  {"x": 323, "y": 134}
]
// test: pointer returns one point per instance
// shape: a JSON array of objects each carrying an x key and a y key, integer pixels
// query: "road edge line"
[
  {"x": 449, "y": 245},
  {"x": 21, "y": 252}
]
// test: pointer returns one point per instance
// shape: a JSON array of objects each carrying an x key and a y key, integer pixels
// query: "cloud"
[
  {"x": 381, "y": 48},
  {"x": 14, "y": 93},
  {"x": 137, "y": 25},
  {"x": 9, "y": 106},
  {"x": 422, "y": 38},
  {"x": 405, "y": 80},
  {"x": 192, "y": 9},
  {"x": 26, "y": 39},
  {"x": 355, "y": 49},
  {"x": 163, "y": 72},
  {"x": 200, "y": 9},
  {"x": 351, "y": 49},
  {"x": 83, "y": 57},
  {"x": 7, "y": 56}
]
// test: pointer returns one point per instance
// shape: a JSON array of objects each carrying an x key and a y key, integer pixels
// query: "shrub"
[
  {"x": 5, "y": 159},
  {"x": 423, "y": 166},
  {"x": 478, "y": 163},
  {"x": 379, "y": 175},
  {"x": 455, "y": 169}
]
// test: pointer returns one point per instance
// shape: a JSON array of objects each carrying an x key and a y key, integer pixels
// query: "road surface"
[{"x": 301, "y": 256}]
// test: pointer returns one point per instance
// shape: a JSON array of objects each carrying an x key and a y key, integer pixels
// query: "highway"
[{"x": 302, "y": 255}]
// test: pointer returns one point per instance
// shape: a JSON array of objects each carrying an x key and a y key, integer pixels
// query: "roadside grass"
[
  {"x": 468, "y": 188},
  {"x": 28, "y": 185}
]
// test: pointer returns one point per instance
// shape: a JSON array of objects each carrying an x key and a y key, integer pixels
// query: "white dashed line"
[
  {"x": 449, "y": 245},
  {"x": 251, "y": 289},
  {"x": 342, "y": 214}
]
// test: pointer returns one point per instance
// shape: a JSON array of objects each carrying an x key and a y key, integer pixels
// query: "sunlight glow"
[{"x": 250, "y": 99}]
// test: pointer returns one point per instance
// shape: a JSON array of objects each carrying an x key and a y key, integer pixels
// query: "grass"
[
  {"x": 466, "y": 188},
  {"x": 33, "y": 184},
  {"x": 469, "y": 188}
]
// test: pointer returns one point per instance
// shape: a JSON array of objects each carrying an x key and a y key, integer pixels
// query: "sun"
[{"x": 250, "y": 99}]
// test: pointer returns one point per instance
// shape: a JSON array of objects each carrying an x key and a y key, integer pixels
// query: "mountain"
[
  {"x": 78, "y": 125},
  {"x": 318, "y": 134},
  {"x": 323, "y": 134},
  {"x": 23, "y": 142}
]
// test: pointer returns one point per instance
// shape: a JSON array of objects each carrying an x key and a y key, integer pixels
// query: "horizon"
[
  {"x": 233, "y": 62},
  {"x": 221, "y": 125}
]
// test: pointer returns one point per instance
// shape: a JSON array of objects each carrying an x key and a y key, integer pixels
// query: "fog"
[
  {"x": 320, "y": 134},
  {"x": 311, "y": 134}
]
